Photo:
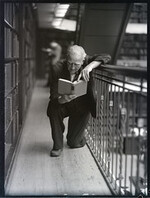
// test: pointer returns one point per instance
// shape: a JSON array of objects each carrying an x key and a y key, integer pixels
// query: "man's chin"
[{"x": 72, "y": 72}]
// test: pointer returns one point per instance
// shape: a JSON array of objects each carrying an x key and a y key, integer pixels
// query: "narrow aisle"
[{"x": 34, "y": 172}]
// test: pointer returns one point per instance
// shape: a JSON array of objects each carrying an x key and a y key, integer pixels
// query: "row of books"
[
  {"x": 15, "y": 126},
  {"x": 28, "y": 37},
  {"x": 27, "y": 51},
  {"x": 11, "y": 106},
  {"x": 8, "y": 111},
  {"x": 11, "y": 44},
  {"x": 15, "y": 44},
  {"x": 8, "y": 12},
  {"x": 11, "y": 49},
  {"x": 12, "y": 132},
  {"x": 7, "y": 42},
  {"x": 27, "y": 67},
  {"x": 11, "y": 12},
  {"x": 11, "y": 76},
  {"x": 133, "y": 51}
]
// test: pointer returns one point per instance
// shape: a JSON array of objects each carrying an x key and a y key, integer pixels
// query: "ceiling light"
[
  {"x": 56, "y": 22},
  {"x": 63, "y": 6},
  {"x": 136, "y": 28},
  {"x": 60, "y": 13},
  {"x": 69, "y": 25}
]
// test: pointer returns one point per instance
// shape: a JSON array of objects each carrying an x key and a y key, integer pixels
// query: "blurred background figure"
[{"x": 54, "y": 55}]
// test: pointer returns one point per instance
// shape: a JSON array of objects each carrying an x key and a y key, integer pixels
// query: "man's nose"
[{"x": 73, "y": 66}]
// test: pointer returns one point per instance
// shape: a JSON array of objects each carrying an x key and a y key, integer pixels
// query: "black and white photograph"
[{"x": 75, "y": 99}]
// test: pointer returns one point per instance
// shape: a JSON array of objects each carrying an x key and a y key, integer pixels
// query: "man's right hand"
[{"x": 66, "y": 98}]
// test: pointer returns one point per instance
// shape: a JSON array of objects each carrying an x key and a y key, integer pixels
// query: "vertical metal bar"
[
  {"x": 105, "y": 121},
  {"x": 98, "y": 120},
  {"x": 139, "y": 143},
  {"x": 127, "y": 132},
  {"x": 77, "y": 24},
  {"x": 110, "y": 130},
  {"x": 117, "y": 136},
  {"x": 99, "y": 91},
  {"x": 2, "y": 110},
  {"x": 133, "y": 124},
  {"x": 102, "y": 120},
  {"x": 113, "y": 130},
  {"x": 96, "y": 131},
  {"x": 107, "y": 130},
  {"x": 122, "y": 127},
  {"x": 95, "y": 126},
  {"x": 91, "y": 131}
]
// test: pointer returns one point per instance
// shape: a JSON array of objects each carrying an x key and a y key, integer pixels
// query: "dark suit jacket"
[{"x": 61, "y": 71}]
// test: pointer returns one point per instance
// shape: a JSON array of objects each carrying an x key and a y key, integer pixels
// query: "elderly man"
[{"x": 78, "y": 65}]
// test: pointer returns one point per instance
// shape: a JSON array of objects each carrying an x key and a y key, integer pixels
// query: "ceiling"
[{"x": 47, "y": 15}]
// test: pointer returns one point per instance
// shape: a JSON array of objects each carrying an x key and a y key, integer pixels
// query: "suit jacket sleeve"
[{"x": 104, "y": 58}]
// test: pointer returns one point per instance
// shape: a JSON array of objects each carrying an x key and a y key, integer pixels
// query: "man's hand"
[
  {"x": 85, "y": 74},
  {"x": 66, "y": 98}
]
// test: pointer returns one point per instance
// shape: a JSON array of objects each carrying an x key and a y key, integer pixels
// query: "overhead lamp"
[
  {"x": 60, "y": 13},
  {"x": 56, "y": 22},
  {"x": 61, "y": 10},
  {"x": 136, "y": 28},
  {"x": 69, "y": 25},
  {"x": 63, "y": 6}
]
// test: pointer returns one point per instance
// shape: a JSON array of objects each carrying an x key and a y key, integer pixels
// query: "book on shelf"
[
  {"x": 8, "y": 42},
  {"x": 8, "y": 77},
  {"x": 8, "y": 110},
  {"x": 66, "y": 87}
]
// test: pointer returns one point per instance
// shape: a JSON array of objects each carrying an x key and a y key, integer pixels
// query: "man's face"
[{"x": 74, "y": 64}]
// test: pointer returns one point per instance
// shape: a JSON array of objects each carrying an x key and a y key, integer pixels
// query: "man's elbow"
[{"x": 108, "y": 59}]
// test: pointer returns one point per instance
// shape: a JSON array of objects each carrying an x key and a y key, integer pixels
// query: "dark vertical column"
[
  {"x": 77, "y": 25},
  {"x": 1, "y": 99},
  {"x": 148, "y": 108},
  {"x": 21, "y": 63}
]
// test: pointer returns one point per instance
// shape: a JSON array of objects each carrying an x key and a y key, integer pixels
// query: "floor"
[{"x": 34, "y": 172}]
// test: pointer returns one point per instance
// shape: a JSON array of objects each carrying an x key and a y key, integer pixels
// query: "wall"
[
  {"x": 133, "y": 50},
  {"x": 102, "y": 27}
]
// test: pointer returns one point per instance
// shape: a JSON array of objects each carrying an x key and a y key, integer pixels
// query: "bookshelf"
[
  {"x": 134, "y": 46},
  {"x": 19, "y": 54}
]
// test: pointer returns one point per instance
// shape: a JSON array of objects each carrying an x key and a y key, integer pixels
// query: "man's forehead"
[{"x": 75, "y": 58}]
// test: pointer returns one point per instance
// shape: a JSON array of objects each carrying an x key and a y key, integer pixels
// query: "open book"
[{"x": 67, "y": 87}]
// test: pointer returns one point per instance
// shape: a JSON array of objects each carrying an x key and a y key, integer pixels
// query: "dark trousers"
[{"x": 78, "y": 113}]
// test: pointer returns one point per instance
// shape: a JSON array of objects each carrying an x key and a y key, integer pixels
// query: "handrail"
[
  {"x": 117, "y": 136},
  {"x": 136, "y": 72}
]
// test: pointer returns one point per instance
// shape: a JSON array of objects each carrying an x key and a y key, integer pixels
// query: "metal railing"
[{"x": 117, "y": 138}]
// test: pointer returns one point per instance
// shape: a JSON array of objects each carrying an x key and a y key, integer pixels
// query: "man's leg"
[
  {"x": 76, "y": 126},
  {"x": 56, "y": 116}
]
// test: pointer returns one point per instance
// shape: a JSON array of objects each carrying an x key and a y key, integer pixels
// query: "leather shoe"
[{"x": 55, "y": 153}]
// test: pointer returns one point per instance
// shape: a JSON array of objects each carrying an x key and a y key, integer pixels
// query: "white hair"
[{"x": 76, "y": 51}]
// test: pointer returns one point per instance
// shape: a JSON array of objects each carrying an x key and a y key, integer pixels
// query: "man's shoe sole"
[{"x": 55, "y": 153}]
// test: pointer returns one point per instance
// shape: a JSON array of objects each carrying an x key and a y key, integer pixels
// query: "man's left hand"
[{"x": 85, "y": 74}]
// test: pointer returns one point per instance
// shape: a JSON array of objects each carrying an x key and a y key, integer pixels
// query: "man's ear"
[{"x": 84, "y": 56}]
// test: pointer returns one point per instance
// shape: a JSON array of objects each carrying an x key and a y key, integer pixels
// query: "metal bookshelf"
[{"x": 19, "y": 53}]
